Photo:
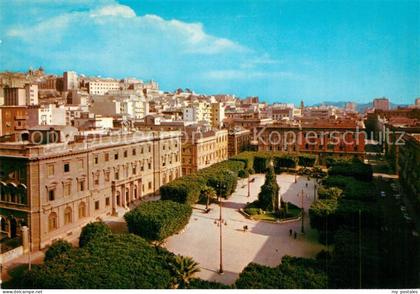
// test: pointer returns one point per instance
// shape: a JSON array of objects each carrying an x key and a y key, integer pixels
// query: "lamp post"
[
  {"x": 220, "y": 222},
  {"x": 302, "y": 229},
  {"x": 249, "y": 184},
  {"x": 315, "y": 187}
]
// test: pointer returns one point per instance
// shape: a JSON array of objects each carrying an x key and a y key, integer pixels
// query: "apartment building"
[
  {"x": 60, "y": 181},
  {"x": 16, "y": 96},
  {"x": 202, "y": 148},
  {"x": 13, "y": 119},
  {"x": 102, "y": 86}
]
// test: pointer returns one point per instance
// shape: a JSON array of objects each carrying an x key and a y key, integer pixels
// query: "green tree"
[
  {"x": 268, "y": 197},
  {"x": 57, "y": 248},
  {"x": 183, "y": 270},
  {"x": 209, "y": 193},
  {"x": 92, "y": 231}
]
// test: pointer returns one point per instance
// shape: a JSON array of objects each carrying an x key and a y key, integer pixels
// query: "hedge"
[
  {"x": 121, "y": 261},
  {"x": 292, "y": 273},
  {"x": 246, "y": 157},
  {"x": 329, "y": 193},
  {"x": 58, "y": 248},
  {"x": 92, "y": 231},
  {"x": 358, "y": 170},
  {"x": 261, "y": 162},
  {"x": 283, "y": 161},
  {"x": 352, "y": 188},
  {"x": 187, "y": 189},
  {"x": 157, "y": 220},
  {"x": 331, "y": 214},
  {"x": 306, "y": 160}
]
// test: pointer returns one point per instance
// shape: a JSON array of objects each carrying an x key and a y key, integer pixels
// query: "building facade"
[
  {"x": 203, "y": 149},
  {"x": 57, "y": 188}
]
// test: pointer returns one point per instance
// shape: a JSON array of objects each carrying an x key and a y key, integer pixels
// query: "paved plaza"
[{"x": 264, "y": 243}]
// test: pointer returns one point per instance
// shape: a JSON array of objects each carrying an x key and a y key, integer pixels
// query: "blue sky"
[{"x": 282, "y": 51}]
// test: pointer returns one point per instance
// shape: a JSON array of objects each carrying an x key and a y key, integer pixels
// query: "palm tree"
[
  {"x": 183, "y": 270},
  {"x": 209, "y": 193}
]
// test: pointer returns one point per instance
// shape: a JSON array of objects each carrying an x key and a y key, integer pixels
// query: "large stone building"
[
  {"x": 202, "y": 148},
  {"x": 59, "y": 181},
  {"x": 322, "y": 138},
  {"x": 238, "y": 141}
]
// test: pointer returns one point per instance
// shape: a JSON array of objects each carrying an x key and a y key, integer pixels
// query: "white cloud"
[
  {"x": 187, "y": 37},
  {"x": 113, "y": 10}
]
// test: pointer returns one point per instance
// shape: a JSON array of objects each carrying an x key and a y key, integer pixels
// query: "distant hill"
[{"x": 359, "y": 106}]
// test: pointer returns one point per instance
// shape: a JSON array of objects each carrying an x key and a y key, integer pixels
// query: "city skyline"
[{"x": 279, "y": 50}]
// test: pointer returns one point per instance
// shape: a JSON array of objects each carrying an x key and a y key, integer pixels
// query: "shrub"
[
  {"x": 157, "y": 220},
  {"x": 182, "y": 191},
  {"x": 243, "y": 173},
  {"x": 246, "y": 157},
  {"x": 307, "y": 160},
  {"x": 261, "y": 162},
  {"x": 284, "y": 161},
  {"x": 251, "y": 171},
  {"x": 57, "y": 248},
  {"x": 93, "y": 231},
  {"x": 352, "y": 188},
  {"x": 121, "y": 261},
  {"x": 356, "y": 169},
  {"x": 329, "y": 193},
  {"x": 292, "y": 273}
]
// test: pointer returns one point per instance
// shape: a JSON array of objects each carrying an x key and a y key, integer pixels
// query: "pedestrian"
[
  {"x": 290, "y": 232},
  {"x": 306, "y": 185},
  {"x": 295, "y": 235}
]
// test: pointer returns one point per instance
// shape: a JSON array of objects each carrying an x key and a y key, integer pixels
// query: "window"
[
  {"x": 52, "y": 221},
  {"x": 107, "y": 176},
  {"x": 134, "y": 170},
  {"x": 82, "y": 210},
  {"x": 149, "y": 165},
  {"x": 125, "y": 153},
  {"x": 96, "y": 159},
  {"x": 107, "y": 201},
  {"x": 150, "y": 185},
  {"x": 67, "y": 216},
  {"x": 141, "y": 150},
  {"x": 134, "y": 151},
  {"x": 67, "y": 188},
  {"x": 97, "y": 205},
  {"x": 116, "y": 156},
  {"x": 50, "y": 170},
  {"x": 81, "y": 185},
  {"x": 96, "y": 178},
  {"x": 117, "y": 175},
  {"x": 51, "y": 194},
  {"x": 106, "y": 156},
  {"x": 150, "y": 148},
  {"x": 66, "y": 167}
]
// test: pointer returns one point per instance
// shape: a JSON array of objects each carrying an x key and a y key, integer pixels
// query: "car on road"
[
  {"x": 403, "y": 208},
  {"x": 383, "y": 194}
]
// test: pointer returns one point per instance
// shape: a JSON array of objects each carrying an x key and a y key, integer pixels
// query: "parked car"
[
  {"x": 403, "y": 208},
  {"x": 383, "y": 194}
]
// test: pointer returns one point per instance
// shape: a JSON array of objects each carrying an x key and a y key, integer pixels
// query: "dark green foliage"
[
  {"x": 332, "y": 214},
  {"x": 58, "y": 248},
  {"x": 284, "y": 161},
  {"x": 329, "y": 193},
  {"x": 331, "y": 161},
  {"x": 109, "y": 262},
  {"x": 203, "y": 284},
  {"x": 292, "y": 273},
  {"x": 92, "y": 231},
  {"x": 188, "y": 188},
  {"x": 183, "y": 269},
  {"x": 307, "y": 160},
  {"x": 251, "y": 171},
  {"x": 261, "y": 162},
  {"x": 182, "y": 190},
  {"x": 157, "y": 220},
  {"x": 243, "y": 173},
  {"x": 246, "y": 157},
  {"x": 354, "y": 168},
  {"x": 268, "y": 197},
  {"x": 352, "y": 188}
]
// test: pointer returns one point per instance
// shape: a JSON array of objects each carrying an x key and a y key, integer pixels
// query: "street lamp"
[
  {"x": 302, "y": 229},
  {"x": 315, "y": 187},
  {"x": 220, "y": 222}
]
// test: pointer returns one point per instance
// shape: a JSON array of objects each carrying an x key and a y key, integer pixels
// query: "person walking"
[
  {"x": 290, "y": 232},
  {"x": 295, "y": 234}
]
